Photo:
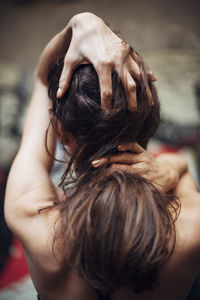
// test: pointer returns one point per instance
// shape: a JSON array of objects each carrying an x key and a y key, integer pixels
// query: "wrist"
[
  {"x": 173, "y": 177},
  {"x": 82, "y": 18},
  {"x": 168, "y": 177},
  {"x": 84, "y": 23},
  {"x": 175, "y": 165}
]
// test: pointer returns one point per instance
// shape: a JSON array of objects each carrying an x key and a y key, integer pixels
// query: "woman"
[{"x": 115, "y": 232}]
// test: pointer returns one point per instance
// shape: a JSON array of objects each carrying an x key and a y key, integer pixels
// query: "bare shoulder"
[
  {"x": 188, "y": 222},
  {"x": 32, "y": 219},
  {"x": 24, "y": 213}
]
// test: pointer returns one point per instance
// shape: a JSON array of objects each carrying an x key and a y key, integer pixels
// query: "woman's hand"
[
  {"x": 87, "y": 39},
  {"x": 93, "y": 42},
  {"x": 140, "y": 162}
]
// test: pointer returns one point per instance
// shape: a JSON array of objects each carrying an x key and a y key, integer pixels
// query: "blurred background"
[{"x": 166, "y": 33}]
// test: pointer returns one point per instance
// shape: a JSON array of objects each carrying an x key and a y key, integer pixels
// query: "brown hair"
[{"x": 116, "y": 229}]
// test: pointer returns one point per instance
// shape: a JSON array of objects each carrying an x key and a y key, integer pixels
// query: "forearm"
[
  {"x": 36, "y": 123},
  {"x": 32, "y": 165},
  {"x": 185, "y": 186},
  {"x": 177, "y": 164}
]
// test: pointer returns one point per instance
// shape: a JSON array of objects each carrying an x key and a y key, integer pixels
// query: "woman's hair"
[{"x": 116, "y": 229}]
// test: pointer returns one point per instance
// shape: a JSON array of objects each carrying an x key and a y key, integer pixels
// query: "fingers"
[
  {"x": 149, "y": 95},
  {"x": 134, "y": 68},
  {"x": 68, "y": 68},
  {"x": 105, "y": 81},
  {"x": 130, "y": 88},
  {"x": 132, "y": 146},
  {"x": 99, "y": 162},
  {"x": 147, "y": 88},
  {"x": 151, "y": 76},
  {"x": 131, "y": 169},
  {"x": 125, "y": 158}
]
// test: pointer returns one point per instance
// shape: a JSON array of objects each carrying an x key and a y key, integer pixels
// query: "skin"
[
  {"x": 164, "y": 171},
  {"x": 111, "y": 54},
  {"x": 29, "y": 188}
]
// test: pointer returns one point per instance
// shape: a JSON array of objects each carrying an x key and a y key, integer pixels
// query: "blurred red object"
[{"x": 16, "y": 266}]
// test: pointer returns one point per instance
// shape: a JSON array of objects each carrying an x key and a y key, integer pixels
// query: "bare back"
[
  {"x": 29, "y": 186},
  {"x": 35, "y": 231}
]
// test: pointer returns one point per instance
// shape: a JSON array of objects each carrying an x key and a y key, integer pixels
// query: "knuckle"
[
  {"x": 104, "y": 62},
  {"x": 118, "y": 66},
  {"x": 117, "y": 56},
  {"x": 132, "y": 86},
  {"x": 125, "y": 47},
  {"x": 62, "y": 82},
  {"x": 145, "y": 165},
  {"x": 145, "y": 159},
  {"x": 61, "y": 79},
  {"x": 106, "y": 94},
  {"x": 114, "y": 166}
]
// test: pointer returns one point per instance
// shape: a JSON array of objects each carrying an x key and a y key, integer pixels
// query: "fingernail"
[
  {"x": 99, "y": 162},
  {"x": 96, "y": 163},
  {"x": 59, "y": 92},
  {"x": 153, "y": 77},
  {"x": 120, "y": 147}
]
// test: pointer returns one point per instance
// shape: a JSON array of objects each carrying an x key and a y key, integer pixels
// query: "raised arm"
[
  {"x": 29, "y": 186},
  {"x": 29, "y": 174}
]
